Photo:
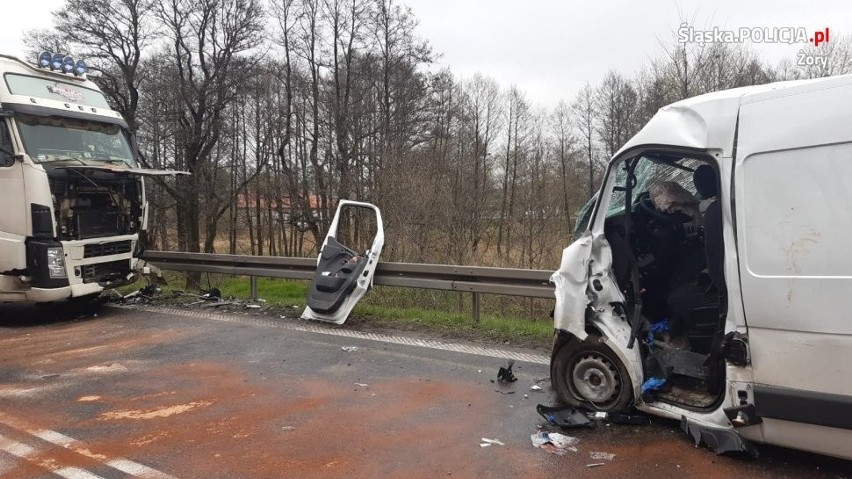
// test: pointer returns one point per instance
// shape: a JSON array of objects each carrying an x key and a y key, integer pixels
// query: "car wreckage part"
[
  {"x": 342, "y": 276},
  {"x": 588, "y": 374},
  {"x": 722, "y": 441}
]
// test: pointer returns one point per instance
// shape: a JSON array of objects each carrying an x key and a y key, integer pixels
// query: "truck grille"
[
  {"x": 106, "y": 249},
  {"x": 109, "y": 271}
]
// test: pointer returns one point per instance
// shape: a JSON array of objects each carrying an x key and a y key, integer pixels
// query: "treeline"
[{"x": 279, "y": 109}]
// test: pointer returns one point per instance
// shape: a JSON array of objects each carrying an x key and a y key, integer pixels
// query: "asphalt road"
[{"x": 132, "y": 393}]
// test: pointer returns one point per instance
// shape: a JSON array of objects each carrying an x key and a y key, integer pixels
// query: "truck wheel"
[{"x": 588, "y": 374}]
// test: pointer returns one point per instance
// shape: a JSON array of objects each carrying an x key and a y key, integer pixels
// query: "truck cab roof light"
[{"x": 44, "y": 59}]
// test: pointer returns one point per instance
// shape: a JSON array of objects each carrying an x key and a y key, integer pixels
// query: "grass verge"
[{"x": 504, "y": 320}]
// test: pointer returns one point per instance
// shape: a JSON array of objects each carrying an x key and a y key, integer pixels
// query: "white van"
[{"x": 712, "y": 276}]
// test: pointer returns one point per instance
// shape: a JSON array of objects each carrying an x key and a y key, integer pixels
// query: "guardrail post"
[
  {"x": 476, "y": 308},
  {"x": 253, "y": 288}
]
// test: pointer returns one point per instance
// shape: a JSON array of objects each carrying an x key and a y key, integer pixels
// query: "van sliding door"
[{"x": 792, "y": 194}]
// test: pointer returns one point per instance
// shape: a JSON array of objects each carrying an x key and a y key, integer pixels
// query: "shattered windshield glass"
[
  {"x": 51, "y": 138},
  {"x": 649, "y": 172}
]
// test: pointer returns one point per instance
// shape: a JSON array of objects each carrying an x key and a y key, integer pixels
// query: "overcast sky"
[{"x": 549, "y": 48}]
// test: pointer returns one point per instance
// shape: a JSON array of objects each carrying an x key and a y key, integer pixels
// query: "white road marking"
[
  {"x": 294, "y": 325},
  {"x": 57, "y": 438},
  {"x": 25, "y": 451},
  {"x": 124, "y": 465},
  {"x": 75, "y": 473},
  {"x": 135, "y": 469}
]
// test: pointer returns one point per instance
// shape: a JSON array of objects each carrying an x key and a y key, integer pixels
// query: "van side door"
[{"x": 793, "y": 194}]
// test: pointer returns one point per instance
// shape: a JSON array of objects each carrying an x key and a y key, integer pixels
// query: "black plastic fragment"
[
  {"x": 505, "y": 375},
  {"x": 565, "y": 417},
  {"x": 630, "y": 419},
  {"x": 722, "y": 441}
]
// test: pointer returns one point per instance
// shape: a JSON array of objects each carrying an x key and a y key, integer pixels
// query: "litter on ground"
[
  {"x": 601, "y": 456},
  {"x": 554, "y": 443}
]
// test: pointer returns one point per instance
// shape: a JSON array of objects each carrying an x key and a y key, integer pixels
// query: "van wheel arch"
[{"x": 589, "y": 374}]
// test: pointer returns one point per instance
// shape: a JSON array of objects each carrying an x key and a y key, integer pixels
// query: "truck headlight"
[{"x": 56, "y": 262}]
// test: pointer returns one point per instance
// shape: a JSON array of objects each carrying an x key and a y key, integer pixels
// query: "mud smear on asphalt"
[{"x": 155, "y": 413}]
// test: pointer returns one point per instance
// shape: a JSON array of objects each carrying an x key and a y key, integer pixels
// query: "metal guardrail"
[{"x": 477, "y": 280}]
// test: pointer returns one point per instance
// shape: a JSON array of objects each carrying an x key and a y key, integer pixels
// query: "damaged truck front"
[
  {"x": 73, "y": 197},
  {"x": 710, "y": 275}
]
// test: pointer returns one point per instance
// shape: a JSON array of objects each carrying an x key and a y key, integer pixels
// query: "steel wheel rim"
[{"x": 594, "y": 378}]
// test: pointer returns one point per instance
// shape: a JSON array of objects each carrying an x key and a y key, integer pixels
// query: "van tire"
[{"x": 588, "y": 374}]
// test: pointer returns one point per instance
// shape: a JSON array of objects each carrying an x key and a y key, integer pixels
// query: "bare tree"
[
  {"x": 113, "y": 36},
  {"x": 585, "y": 113},
  {"x": 208, "y": 38}
]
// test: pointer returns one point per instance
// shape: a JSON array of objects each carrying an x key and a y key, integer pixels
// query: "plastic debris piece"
[
  {"x": 349, "y": 349},
  {"x": 722, "y": 441},
  {"x": 505, "y": 374},
  {"x": 253, "y": 306},
  {"x": 362, "y": 385},
  {"x": 631, "y": 419},
  {"x": 565, "y": 417},
  {"x": 536, "y": 387},
  {"x": 554, "y": 443},
  {"x": 653, "y": 384},
  {"x": 597, "y": 464},
  {"x": 484, "y": 444},
  {"x": 214, "y": 293},
  {"x": 492, "y": 441},
  {"x": 602, "y": 456}
]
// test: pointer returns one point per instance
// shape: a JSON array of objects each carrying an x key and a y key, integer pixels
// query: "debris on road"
[
  {"x": 362, "y": 385},
  {"x": 488, "y": 442},
  {"x": 621, "y": 418},
  {"x": 629, "y": 419},
  {"x": 213, "y": 294},
  {"x": 601, "y": 456},
  {"x": 536, "y": 387},
  {"x": 554, "y": 443},
  {"x": 349, "y": 349},
  {"x": 597, "y": 464},
  {"x": 253, "y": 306},
  {"x": 216, "y": 304},
  {"x": 505, "y": 375},
  {"x": 565, "y": 417},
  {"x": 720, "y": 440}
]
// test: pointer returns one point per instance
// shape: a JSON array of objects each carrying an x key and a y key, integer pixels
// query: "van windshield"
[
  {"x": 52, "y": 138},
  {"x": 649, "y": 171}
]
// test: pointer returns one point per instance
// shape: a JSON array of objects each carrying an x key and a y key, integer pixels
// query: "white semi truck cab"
[{"x": 72, "y": 195}]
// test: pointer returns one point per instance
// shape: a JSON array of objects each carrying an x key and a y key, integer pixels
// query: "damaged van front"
[{"x": 658, "y": 304}]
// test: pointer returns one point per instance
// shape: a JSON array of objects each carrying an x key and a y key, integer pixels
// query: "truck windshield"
[{"x": 51, "y": 138}]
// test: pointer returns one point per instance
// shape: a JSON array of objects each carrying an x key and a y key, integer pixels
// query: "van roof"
[{"x": 708, "y": 122}]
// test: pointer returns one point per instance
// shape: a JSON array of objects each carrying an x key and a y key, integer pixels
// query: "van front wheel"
[{"x": 588, "y": 374}]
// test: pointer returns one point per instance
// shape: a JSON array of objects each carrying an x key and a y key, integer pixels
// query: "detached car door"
[{"x": 344, "y": 275}]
